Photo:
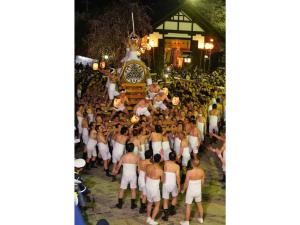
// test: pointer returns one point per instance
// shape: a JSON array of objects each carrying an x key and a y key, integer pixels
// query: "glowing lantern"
[
  {"x": 102, "y": 65},
  {"x": 165, "y": 90},
  {"x": 117, "y": 102},
  {"x": 175, "y": 100},
  {"x": 142, "y": 50},
  {"x": 134, "y": 119},
  {"x": 95, "y": 66}
]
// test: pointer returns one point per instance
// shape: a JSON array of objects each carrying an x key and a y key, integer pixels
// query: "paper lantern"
[
  {"x": 117, "y": 102},
  {"x": 134, "y": 119},
  {"x": 95, "y": 66},
  {"x": 175, "y": 100}
]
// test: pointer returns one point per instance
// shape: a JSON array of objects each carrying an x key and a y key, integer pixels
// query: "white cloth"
[
  {"x": 186, "y": 156},
  {"x": 90, "y": 117},
  {"x": 142, "y": 152},
  {"x": 177, "y": 145},
  {"x": 152, "y": 190},
  {"x": 193, "y": 192},
  {"x": 142, "y": 182},
  {"x": 193, "y": 143},
  {"x": 142, "y": 111},
  {"x": 166, "y": 149},
  {"x": 79, "y": 126},
  {"x": 85, "y": 135},
  {"x": 136, "y": 150},
  {"x": 104, "y": 151},
  {"x": 213, "y": 124},
  {"x": 117, "y": 152},
  {"x": 120, "y": 108},
  {"x": 149, "y": 81},
  {"x": 169, "y": 186},
  {"x": 128, "y": 176},
  {"x": 151, "y": 94},
  {"x": 91, "y": 148},
  {"x": 157, "y": 147},
  {"x": 112, "y": 91},
  {"x": 201, "y": 128},
  {"x": 160, "y": 105}
]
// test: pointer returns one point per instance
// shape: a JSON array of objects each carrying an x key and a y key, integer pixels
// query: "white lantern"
[
  {"x": 175, "y": 100},
  {"x": 95, "y": 66},
  {"x": 134, "y": 119}
]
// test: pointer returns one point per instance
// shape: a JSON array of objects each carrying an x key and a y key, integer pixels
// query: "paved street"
[{"x": 105, "y": 193}]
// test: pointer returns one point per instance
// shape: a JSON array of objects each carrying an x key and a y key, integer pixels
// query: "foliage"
[
  {"x": 108, "y": 32},
  {"x": 214, "y": 11}
]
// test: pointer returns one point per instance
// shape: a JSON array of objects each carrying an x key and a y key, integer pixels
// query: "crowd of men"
[{"x": 155, "y": 142}]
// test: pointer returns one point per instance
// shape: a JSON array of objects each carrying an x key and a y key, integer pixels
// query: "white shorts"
[
  {"x": 142, "y": 183},
  {"x": 160, "y": 105},
  {"x": 104, "y": 151},
  {"x": 157, "y": 147},
  {"x": 117, "y": 152},
  {"x": 120, "y": 108},
  {"x": 185, "y": 157},
  {"x": 193, "y": 143},
  {"x": 167, "y": 189},
  {"x": 142, "y": 152},
  {"x": 193, "y": 192},
  {"x": 85, "y": 136},
  {"x": 152, "y": 190},
  {"x": 91, "y": 148},
  {"x": 213, "y": 127},
  {"x": 142, "y": 111},
  {"x": 128, "y": 179}
]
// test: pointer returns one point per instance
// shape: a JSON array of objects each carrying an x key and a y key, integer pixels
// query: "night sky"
[{"x": 158, "y": 7}]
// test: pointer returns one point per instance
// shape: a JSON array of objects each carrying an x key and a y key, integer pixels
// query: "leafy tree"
[{"x": 108, "y": 32}]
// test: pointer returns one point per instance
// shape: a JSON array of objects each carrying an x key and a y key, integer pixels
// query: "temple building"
[{"x": 182, "y": 37}]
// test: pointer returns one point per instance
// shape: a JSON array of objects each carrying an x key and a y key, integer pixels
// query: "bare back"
[{"x": 154, "y": 171}]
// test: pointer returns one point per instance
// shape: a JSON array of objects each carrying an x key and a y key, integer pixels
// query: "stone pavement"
[{"x": 105, "y": 194}]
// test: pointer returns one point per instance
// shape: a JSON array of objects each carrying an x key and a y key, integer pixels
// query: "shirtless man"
[
  {"x": 91, "y": 149},
  {"x": 156, "y": 139},
  {"x": 104, "y": 150},
  {"x": 154, "y": 174},
  {"x": 221, "y": 152},
  {"x": 142, "y": 179},
  {"x": 201, "y": 125},
  {"x": 177, "y": 137},
  {"x": 113, "y": 77},
  {"x": 166, "y": 145},
  {"x": 193, "y": 184},
  {"x": 143, "y": 137},
  {"x": 153, "y": 90},
  {"x": 85, "y": 134},
  {"x": 214, "y": 119},
  {"x": 171, "y": 185},
  {"x": 123, "y": 102},
  {"x": 136, "y": 141},
  {"x": 79, "y": 115},
  {"x": 119, "y": 148},
  {"x": 184, "y": 153},
  {"x": 129, "y": 161},
  {"x": 194, "y": 136},
  {"x": 141, "y": 108},
  {"x": 158, "y": 101}
]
